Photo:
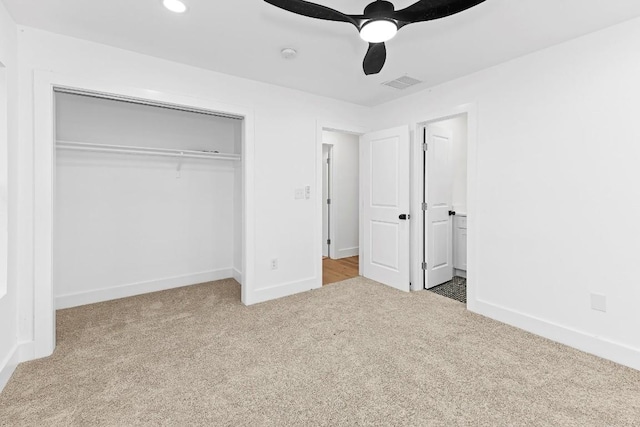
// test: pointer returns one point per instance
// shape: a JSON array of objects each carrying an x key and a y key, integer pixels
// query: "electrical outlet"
[
  {"x": 299, "y": 193},
  {"x": 274, "y": 264},
  {"x": 599, "y": 302}
]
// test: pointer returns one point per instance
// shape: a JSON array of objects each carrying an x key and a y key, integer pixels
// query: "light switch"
[{"x": 299, "y": 193}]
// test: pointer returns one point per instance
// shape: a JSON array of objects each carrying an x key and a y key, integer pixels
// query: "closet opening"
[{"x": 146, "y": 197}]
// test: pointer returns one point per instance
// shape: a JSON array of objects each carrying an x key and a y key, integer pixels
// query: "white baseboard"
[
  {"x": 26, "y": 351},
  {"x": 128, "y": 290},
  {"x": 237, "y": 275},
  {"x": 8, "y": 366},
  {"x": 588, "y": 343},
  {"x": 284, "y": 290},
  {"x": 347, "y": 253}
]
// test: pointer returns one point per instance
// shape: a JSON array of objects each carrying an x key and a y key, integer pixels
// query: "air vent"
[{"x": 402, "y": 82}]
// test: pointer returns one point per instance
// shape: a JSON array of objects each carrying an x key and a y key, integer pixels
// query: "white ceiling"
[{"x": 244, "y": 38}]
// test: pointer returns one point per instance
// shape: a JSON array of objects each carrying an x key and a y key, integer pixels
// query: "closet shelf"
[{"x": 167, "y": 152}]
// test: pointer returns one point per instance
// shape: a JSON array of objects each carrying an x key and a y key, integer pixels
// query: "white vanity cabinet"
[{"x": 460, "y": 244}]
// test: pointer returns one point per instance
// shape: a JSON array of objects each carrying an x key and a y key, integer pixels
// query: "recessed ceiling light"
[{"x": 174, "y": 6}]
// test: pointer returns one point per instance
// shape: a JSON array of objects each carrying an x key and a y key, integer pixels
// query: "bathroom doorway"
[{"x": 444, "y": 218}]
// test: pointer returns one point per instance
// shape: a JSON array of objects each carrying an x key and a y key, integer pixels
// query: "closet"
[{"x": 147, "y": 197}]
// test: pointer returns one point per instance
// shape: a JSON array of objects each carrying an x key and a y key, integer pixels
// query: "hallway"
[{"x": 337, "y": 270}]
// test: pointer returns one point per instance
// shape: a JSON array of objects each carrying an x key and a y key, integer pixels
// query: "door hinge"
[
  {"x": 424, "y": 146},
  {"x": 424, "y": 206},
  {"x": 328, "y": 201},
  {"x": 424, "y": 266},
  {"x": 328, "y": 160},
  {"x": 328, "y": 241}
]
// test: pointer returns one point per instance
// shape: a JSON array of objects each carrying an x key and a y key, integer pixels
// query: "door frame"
[
  {"x": 331, "y": 233},
  {"x": 4, "y": 179},
  {"x": 323, "y": 125},
  {"x": 42, "y": 311},
  {"x": 417, "y": 274}
]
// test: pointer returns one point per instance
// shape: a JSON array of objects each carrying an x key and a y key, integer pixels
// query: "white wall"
[
  {"x": 8, "y": 193},
  {"x": 458, "y": 127},
  {"x": 285, "y": 129},
  {"x": 553, "y": 213},
  {"x": 344, "y": 197},
  {"x": 127, "y": 224}
]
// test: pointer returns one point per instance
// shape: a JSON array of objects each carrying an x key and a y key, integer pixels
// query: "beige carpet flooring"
[{"x": 354, "y": 353}]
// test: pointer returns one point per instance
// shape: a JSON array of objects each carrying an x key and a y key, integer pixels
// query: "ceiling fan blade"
[
  {"x": 312, "y": 10},
  {"x": 427, "y": 10},
  {"x": 375, "y": 58}
]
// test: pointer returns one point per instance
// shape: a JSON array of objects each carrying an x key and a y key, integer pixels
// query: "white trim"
[
  {"x": 347, "y": 252},
  {"x": 286, "y": 289},
  {"x": 43, "y": 312},
  {"x": 588, "y": 343},
  {"x": 333, "y": 214},
  {"x": 321, "y": 126},
  {"x": 471, "y": 110},
  {"x": 26, "y": 351},
  {"x": 131, "y": 289},
  {"x": 460, "y": 273},
  {"x": 237, "y": 275},
  {"x": 8, "y": 366},
  {"x": 4, "y": 179}
]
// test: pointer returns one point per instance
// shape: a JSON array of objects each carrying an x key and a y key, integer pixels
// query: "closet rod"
[{"x": 167, "y": 152}]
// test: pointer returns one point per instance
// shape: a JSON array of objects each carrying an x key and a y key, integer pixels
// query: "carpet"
[{"x": 354, "y": 353}]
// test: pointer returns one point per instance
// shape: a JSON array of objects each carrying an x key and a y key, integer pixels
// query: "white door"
[
  {"x": 326, "y": 183},
  {"x": 384, "y": 175},
  {"x": 439, "y": 184}
]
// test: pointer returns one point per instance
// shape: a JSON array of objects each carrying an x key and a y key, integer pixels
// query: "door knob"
[{"x": 404, "y": 217}]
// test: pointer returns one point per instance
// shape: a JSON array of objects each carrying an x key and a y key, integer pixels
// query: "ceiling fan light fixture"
[
  {"x": 175, "y": 6},
  {"x": 378, "y": 30}
]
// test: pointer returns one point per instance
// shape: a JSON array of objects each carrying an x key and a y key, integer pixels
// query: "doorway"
[
  {"x": 444, "y": 203},
  {"x": 129, "y": 176},
  {"x": 340, "y": 206},
  {"x": 46, "y": 83}
]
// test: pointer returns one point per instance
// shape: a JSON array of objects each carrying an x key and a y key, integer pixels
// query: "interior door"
[
  {"x": 384, "y": 175},
  {"x": 326, "y": 220},
  {"x": 439, "y": 185}
]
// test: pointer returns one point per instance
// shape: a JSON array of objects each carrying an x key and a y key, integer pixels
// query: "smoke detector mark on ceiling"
[
  {"x": 402, "y": 82},
  {"x": 288, "y": 53}
]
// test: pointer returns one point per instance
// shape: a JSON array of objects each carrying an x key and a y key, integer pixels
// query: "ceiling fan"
[{"x": 380, "y": 21}]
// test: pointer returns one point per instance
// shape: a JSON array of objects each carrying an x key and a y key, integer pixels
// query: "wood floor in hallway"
[{"x": 337, "y": 270}]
